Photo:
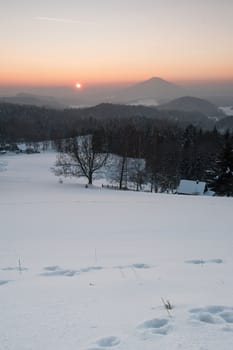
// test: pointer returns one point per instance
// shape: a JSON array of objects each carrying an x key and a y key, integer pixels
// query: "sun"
[{"x": 78, "y": 85}]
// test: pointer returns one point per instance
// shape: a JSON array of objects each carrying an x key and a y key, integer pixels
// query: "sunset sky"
[{"x": 61, "y": 42}]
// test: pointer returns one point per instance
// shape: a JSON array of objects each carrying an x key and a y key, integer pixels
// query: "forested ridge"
[{"x": 33, "y": 123}]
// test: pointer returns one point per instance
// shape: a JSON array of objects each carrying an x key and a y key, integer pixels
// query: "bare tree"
[
  {"x": 137, "y": 172},
  {"x": 117, "y": 171},
  {"x": 80, "y": 157},
  {"x": 122, "y": 166}
]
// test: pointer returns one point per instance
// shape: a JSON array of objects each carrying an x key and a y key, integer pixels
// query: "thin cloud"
[{"x": 60, "y": 20}]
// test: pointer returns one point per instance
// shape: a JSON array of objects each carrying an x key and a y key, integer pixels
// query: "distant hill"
[
  {"x": 193, "y": 104},
  {"x": 154, "y": 91},
  {"x": 33, "y": 100},
  {"x": 108, "y": 111}
]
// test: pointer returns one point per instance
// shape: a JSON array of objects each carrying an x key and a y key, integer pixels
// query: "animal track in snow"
[
  {"x": 16, "y": 268},
  {"x": 91, "y": 268},
  {"x": 195, "y": 262},
  {"x": 135, "y": 266},
  {"x": 201, "y": 261},
  {"x": 216, "y": 261},
  {"x": 156, "y": 326},
  {"x": 59, "y": 271},
  {"x": 214, "y": 314},
  {"x": 2, "y": 282}
]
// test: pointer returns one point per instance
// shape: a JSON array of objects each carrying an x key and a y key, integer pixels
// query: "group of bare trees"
[
  {"x": 143, "y": 153},
  {"x": 80, "y": 156}
]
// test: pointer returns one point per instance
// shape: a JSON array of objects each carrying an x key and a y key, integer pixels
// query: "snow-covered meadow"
[{"x": 85, "y": 268}]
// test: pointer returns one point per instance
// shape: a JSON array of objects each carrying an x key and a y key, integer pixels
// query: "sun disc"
[{"x": 78, "y": 85}]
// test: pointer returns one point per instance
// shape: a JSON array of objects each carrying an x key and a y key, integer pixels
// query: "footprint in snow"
[
  {"x": 215, "y": 314},
  {"x": 106, "y": 342},
  {"x": 159, "y": 326}
]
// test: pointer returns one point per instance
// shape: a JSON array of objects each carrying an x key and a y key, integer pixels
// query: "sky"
[{"x": 61, "y": 42}]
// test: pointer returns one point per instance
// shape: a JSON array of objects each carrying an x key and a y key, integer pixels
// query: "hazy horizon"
[{"x": 99, "y": 92}]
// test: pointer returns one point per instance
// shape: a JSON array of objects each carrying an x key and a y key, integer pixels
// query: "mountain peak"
[
  {"x": 157, "y": 79},
  {"x": 154, "y": 88}
]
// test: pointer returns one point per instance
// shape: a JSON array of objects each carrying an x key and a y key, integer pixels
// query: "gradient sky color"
[{"x": 101, "y": 41}]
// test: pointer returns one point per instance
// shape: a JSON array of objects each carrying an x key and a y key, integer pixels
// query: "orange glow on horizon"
[{"x": 110, "y": 74}]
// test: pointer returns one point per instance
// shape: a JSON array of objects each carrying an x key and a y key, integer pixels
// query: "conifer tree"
[{"x": 221, "y": 175}]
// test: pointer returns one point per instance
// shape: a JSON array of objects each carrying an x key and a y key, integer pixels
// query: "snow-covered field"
[{"x": 96, "y": 262}]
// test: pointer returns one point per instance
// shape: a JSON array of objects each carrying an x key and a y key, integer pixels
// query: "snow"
[
  {"x": 95, "y": 264},
  {"x": 149, "y": 102},
  {"x": 227, "y": 110}
]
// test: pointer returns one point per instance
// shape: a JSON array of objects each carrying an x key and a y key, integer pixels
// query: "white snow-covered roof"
[
  {"x": 191, "y": 187},
  {"x": 22, "y": 146}
]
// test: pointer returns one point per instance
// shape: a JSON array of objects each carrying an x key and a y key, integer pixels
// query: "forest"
[{"x": 174, "y": 145}]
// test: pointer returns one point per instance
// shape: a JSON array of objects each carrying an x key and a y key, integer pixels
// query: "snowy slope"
[{"x": 95, "y": 264}]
